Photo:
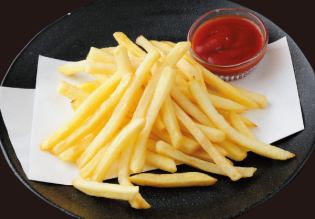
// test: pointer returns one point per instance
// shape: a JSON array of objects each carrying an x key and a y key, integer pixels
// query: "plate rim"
[{"x": 26, "y": 182}]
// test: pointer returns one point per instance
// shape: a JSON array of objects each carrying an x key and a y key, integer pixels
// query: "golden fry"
[
  {"x": 122, "y": 60},
  {"x": 72, "y": 68},
  {"x": 260, "y": 99},
  {"x": 123, "y": 40},
  {"x": 240, "y": 126},
  {"x": 72, "y": 92},
  {"x": 99, "y": 55},
  {"x": 187, "y": 179},
  {"x": 170, "y": 121},
  {"x": 161, "y": 162},
  {"x": 106, "y": 190}
]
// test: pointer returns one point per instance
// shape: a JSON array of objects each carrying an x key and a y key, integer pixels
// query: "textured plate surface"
[{"x": 70, "y": 38}]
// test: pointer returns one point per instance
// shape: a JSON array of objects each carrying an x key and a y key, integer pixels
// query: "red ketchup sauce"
[{"x": 228, "y": 40}]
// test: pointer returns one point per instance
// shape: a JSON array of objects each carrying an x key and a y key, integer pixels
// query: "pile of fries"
[{"x": 151, "y": 105}]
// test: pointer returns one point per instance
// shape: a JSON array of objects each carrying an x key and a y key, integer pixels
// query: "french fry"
[
  {"x": 72, "y": 153},
  {"x": 220, "y": 160},
  {"x": 146, "y": 44},
  {"x": 123, "y": 40},
  {"x": 122, "y": 60},
  {"x": 188, "y": 70},
  {"x": 121, "y": 109},
  {"x": 159, "y": 124},
  {"x": 170, "y": 121},
  {"x": 250, "y": 144},
  {"x": 75, "y": 104},
  {"x": 89, "y": 87},
  {"x": 228, "y": 90},
  {"x": 110, "y": 49},
  {"x": 161, "y": 162},
  {"x": 213, "y": 134},
  {"x": 185, "y": 67},
  {"x": 146, "y": 97},
  {"x": 87, "y": 170},
  {"x": 226, "y": 104},
  {"x": 88, "y": 107},
  {"x": 188, "y": 144},
  {"x": 98, "y": 119},
  {"x": 170, "y": 151},
  {"x": 186, "y": 92},
  {"x": 106, "y": 190},
  {"x": 99, "y": 68},
  {"x": 180, "y": 81},
  {"x": 174, "y": 56},
  {"x": 240, "y": 126},
  {"x": 161, "y": 92},
  {"x": 221, "y": 150},
  {"x": 72, "y": 92},
  {"x": 101, "y": 78},
  {"x": 123, "y": 178},
  {"x": 260, "y": 99},
  {"x": 112, "y": 152},
  {"x": 248, "y": 122},
  {"x": 189, "y": 107},
  {"x": 164, "y": 49},
  {"x": 201, "y": 154},
  {"x": 170, "y": 43},
  {"x": 234, "y": 152},
  {"x": 99, "y": 55},
  {"x": 188, "y": 179},
  {"x": 72, "y": 68},
  {"x": 151, "y": 145}
]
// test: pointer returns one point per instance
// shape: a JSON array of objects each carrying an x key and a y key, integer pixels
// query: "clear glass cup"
[{"x": 234, "y": 71}]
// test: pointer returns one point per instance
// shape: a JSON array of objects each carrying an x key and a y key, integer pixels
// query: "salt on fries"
[{"x": 153, "y": 105}]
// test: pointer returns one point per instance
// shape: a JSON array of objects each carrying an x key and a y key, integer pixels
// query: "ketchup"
[{"x": 227, "y": 40}]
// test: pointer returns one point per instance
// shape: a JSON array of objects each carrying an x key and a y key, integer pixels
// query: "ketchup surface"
[{"x": 227, "y": 40}]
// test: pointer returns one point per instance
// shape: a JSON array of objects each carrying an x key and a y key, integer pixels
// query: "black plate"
[{"x": 70, "y": 38}]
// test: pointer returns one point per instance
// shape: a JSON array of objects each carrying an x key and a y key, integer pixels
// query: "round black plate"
[{"x": 71, "y": 37}]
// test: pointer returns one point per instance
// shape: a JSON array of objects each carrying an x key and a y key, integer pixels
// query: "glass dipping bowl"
[{"x": 234, "y": 71}]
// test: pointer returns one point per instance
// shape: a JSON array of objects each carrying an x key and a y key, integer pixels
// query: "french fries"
[
  {"x": 227, "y": 89},
  {"x": 106, "y": 190},
  {"x": 171, "y": 124},
  {"x": 251, "y": 144},
  {"x": 170, "y": 151},
  {"x": 99, "y": 118},
  {"x": 72, "y": 92},
  {"x": 161, "y": 162},
  {"x": 261, "y": 100},
  {"x": 173, "y": 180},
  {"x": 138, "y": 202},
  {"x": 220, "y": 160},
  {"x": 240, "y": 125},
  {"x": 88, "y": 107},
  {"x": 123, "y": 40},
  {"x": 161, "y": 92},
  {"x": 100, "y": 56},
  {"x": 121, "y": 109},
  {"x": 113, "y": 150},
  {"x": 151, "y": 104},
  {"x": 73, "y": 68}
]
